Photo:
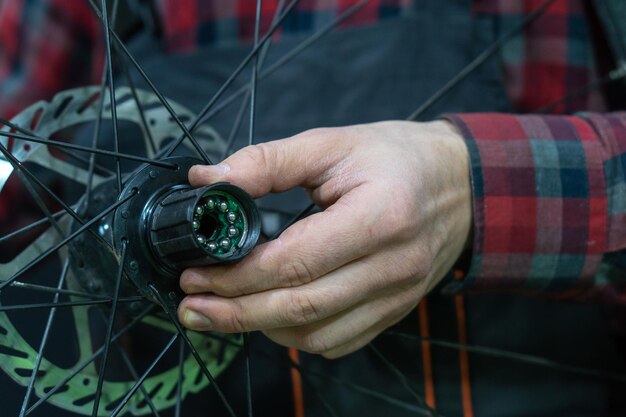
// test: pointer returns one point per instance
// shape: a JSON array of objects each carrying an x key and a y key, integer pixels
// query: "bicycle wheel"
[{"x": 75, "y": 255}]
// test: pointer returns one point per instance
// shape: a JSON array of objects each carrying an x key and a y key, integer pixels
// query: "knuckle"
[
  {"x": 256, "y": 153},
  {"x": 230, "y": 283},
  {"x": 404, "y": 224},
  {"x": 407, "y": 269},
  {"x": 233, "y": 320},
  {"x": 314, "y": 343},
  {"x": 299, "y": 309},
  {"x": 295, "y": 273},
  {"x": 418, "y": 265},
  {"x": 186, "y": 285},
  {"x": 228, "y": 289},
  {"x": 261, "y": 155},
  {"x": 191, "y": 282}
]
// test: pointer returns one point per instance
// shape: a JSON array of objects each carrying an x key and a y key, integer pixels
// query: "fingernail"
[
  {"x": 195, "y": 320},
  {"x": 219, "y": 169}
]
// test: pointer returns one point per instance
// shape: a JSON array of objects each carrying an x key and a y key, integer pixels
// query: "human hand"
[{"x": 397, "y": 202}]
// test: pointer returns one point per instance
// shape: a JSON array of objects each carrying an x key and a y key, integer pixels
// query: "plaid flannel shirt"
[
  {"x": 549, "y": 203},
  {"x": 549, "y": 191}
]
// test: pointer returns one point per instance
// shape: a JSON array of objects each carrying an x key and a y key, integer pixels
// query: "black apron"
[{"x": 383, "y": 72}]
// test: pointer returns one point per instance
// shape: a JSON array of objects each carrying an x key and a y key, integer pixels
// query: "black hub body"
[
  {"x": 94, "y": 261},
  {"x": 159, "y": 225},
  {"x": 167, "y": 226}
]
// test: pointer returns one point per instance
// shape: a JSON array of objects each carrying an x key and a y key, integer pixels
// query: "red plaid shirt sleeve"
[
  {"x": 549, "y": 196},
  {"x": 46, "y": 46}
]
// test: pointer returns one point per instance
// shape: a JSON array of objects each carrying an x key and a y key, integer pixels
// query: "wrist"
[{"x": 463, "y": 187}]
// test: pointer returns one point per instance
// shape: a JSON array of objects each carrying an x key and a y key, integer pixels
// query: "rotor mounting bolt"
[
  {"x": 212, "y": 246},
  {"x": 223, "y": 206},
  {"x": 210, "y": 204},
  {"x": 199, "y": 210},
  {"x": 231, "y": 216},
  {"x": 232, "y": 231},
  {"x": 195, "y": 224},
  {"x": 201, "y": 240}
]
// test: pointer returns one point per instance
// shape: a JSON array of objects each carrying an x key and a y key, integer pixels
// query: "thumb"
[{"x": 276, "y": 166}]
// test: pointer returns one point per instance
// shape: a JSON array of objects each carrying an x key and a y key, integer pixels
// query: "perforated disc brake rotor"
[{"x": 17, "y": 356}]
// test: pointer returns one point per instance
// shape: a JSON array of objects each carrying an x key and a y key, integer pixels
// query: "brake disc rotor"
[{"x": 17, "y": 356}]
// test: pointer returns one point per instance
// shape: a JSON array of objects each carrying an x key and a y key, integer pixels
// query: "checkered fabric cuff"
[{"x": 539, "y": 200}]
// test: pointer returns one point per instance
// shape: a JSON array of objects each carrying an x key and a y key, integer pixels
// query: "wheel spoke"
[
  {"x": 403, "y": 380},
  {"x": 361, "y": 390},
  {"x": 26, "y": 182},
  {"x": 95, "y": 138},
  {"x": 518, "y": 357},
  {"x": 112, "y": 98},
  {"x": 246, "y": 352},
  {"x": 31, "y": 226},
  {"x": 479, "y": 60},
  {"x": 615, "y": 75},
  {"x": 27, "y": 179},
  {"x": 307, "y": 381},
  {"x": 33, "y": 178},
  {"x": 44, "y": 340},
  {"x": 133, "y": 372},
  {"x": 246, "y": 336},
  {"x": 255, "y": 60},
  {"x": 19, "y": 307},
  {"x": 76, "y": 157},
  {"x": 78, "y": 368},
  {"x": 143, "y": 377},
  {"x": 244, "y": 103},
  {"x": 193, "y": 350},
  {"x": 63, "y": 242},
  {"x": 135, "y": 376},
  {"x": 50, "y": 142},
  {"x": 285, "y": 58},
  {"x": 63, "y": 151},
  {"x": 236, "y": 125},
  {"x": 109, "y": 333},
  {"x": 151, "y": 147},
  {"x": 43, "y": 288},
  {"x": 179, "y": 384},
  {"x": 119, "y": 45},
  {"x": 233, "y": 76},
  {"x": 97, "y": 129},
  {"x": 303, "y": 213},
  {"x": 304, "y": 371}
]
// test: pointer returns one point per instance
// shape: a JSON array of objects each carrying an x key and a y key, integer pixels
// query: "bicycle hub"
[{"x": 168, "y": 226}]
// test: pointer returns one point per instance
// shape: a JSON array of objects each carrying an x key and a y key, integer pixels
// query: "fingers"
[
  {"x": 347, "y": 331},
  {"x": 322, "y": 298},
  {"x": 307, "y": 250},
  {"x": 276, "y": 166}
]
